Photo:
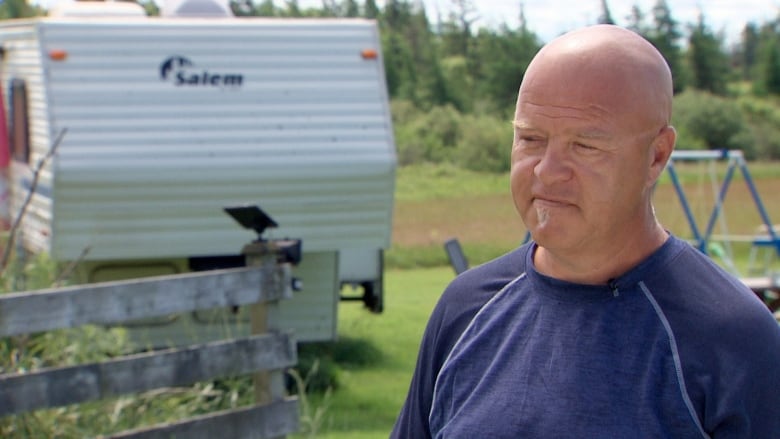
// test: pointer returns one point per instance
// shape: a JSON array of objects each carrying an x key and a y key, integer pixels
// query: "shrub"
[
  {"x": 425, "y": 136},
  {"x": 444, "y": 135},
  {"x": 485, "y": 144},
  {"x": 711, "y": 122},
  {"x": 763, "y": 118}
]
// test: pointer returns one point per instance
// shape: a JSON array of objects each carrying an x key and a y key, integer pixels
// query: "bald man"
[{"x": 604, "y": 325}]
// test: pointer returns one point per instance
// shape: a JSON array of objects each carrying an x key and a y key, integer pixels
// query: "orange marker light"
[
  {"x": 369, "y": 54},
  {"x": 58, "y": 55}
]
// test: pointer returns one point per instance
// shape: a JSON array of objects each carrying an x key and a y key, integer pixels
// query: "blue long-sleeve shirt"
[{"x": 674, "y": 348}]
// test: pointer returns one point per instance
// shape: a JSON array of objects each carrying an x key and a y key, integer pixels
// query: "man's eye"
[
  {"x": 585, "y": 147},
  {"x": 530, "y": 139}
]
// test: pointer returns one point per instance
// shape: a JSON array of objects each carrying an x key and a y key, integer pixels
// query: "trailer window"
[{"x": 20, "y": 136}]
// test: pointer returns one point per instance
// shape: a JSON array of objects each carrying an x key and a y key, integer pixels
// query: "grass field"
[{"x": 434, "y": 203}]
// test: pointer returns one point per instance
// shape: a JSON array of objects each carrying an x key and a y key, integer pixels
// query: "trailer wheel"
[{"x": 372, "y": 296}]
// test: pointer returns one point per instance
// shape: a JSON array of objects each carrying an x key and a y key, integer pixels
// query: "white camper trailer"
[{"x": 167, "y": 120}]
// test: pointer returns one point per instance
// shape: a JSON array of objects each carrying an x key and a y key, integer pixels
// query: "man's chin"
[{"x": 550, "y": 237}]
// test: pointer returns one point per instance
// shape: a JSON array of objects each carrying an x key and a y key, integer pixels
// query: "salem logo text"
[{"x": 183, "y": 72}]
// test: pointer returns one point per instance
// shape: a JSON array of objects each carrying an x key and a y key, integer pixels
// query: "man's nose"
[{"x": 554, "y": 164}]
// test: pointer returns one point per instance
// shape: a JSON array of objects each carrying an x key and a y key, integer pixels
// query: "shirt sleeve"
[
  {"x": 746, "y": 400},
  {"x": 461, "y": 300},
  {"x": 412, "y": 422},
  {"x": 452, "y": 314},
  {"x": 729, "y": 348}
]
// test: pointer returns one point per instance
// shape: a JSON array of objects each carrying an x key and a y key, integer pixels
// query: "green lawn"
[{"x": 369, "y": 396}]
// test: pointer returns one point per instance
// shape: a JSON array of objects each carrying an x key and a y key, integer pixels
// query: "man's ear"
[{"x": 659, "y": 152}]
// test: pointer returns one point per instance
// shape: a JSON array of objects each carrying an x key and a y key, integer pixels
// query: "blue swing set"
[{"x": 766, "y": 286}]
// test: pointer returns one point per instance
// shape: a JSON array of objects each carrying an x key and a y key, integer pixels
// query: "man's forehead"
[
  {"x": 591, "y": 133},
  {"x": 572, "y": 111}
]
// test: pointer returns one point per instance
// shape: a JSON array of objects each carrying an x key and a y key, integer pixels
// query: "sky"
[{"x": 550, "y": 18}]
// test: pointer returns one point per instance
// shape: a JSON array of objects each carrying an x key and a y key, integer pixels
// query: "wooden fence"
[{"x": 265, "y": 353}]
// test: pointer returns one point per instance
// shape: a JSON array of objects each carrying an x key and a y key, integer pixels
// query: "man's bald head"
[{"x": 606, "y": 65}]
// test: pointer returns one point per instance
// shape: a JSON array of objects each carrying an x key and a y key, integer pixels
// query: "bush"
[
  {"x": 444, "y": 135},
  {"x": 763, "y": 117},
  {"x": 425, "y": 136},
  {"x": 485, "y": 144},
  {"x": 706, "y": 121}
]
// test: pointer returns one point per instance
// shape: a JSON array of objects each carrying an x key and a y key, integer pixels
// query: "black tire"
[{"x": 372, "y": 296}]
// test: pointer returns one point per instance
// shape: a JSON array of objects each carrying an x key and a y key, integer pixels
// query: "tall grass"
[{"x": 90, "y": 344}]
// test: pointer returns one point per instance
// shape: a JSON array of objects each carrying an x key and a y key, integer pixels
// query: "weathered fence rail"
[{"x": 265, "y": 353}]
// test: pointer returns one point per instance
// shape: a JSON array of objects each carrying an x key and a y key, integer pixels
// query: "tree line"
[{"x": 453, "y": 84}]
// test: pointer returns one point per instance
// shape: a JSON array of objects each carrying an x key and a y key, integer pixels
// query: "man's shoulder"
[
  {"x": 470, "y": 290},
  {"x": 692, "y": 284}
]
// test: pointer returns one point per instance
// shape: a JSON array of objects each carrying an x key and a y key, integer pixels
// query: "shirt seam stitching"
[
  {"x": 675, "y": 357},
  {"x": 493, "y": 299}
]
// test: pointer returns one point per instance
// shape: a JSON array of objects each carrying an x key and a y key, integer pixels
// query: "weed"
[{"x": 312, "y": 417}]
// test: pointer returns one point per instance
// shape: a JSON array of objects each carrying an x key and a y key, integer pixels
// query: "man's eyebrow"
[
  {"x": 586, "y": 133},
  {"x": 521, "y": 125},
  {"x": 594, "y": 133}
]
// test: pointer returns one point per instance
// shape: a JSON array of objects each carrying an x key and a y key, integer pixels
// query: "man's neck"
[{"x": 596, "y": 266}]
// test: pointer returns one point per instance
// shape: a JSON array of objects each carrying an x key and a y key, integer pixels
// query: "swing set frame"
[{"x": 767, "y": 287}]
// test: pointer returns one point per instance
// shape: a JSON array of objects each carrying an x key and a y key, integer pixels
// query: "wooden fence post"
[{"x": 269, "y": 386}]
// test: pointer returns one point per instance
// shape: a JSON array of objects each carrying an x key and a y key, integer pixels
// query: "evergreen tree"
[
  {"x": 636, "y": 21},
  {"x": 465, "y": 15},
  {"x": 768, "y": 63},
  {"x": 665, "y": 35},
  {"x": 410, "y": 53},
  {"x": 451, "y": 38},
  {"x": 456, "y": 31},
  {"x": 331, "y": 8},
  {"x": 521, "y": 18},
  {"x": 432, "y": 86},
  {"x": 265, "y": 9},
  {"x": 371, "y": 10},
  {"x": 293, "y": 10},
  {"x": 502, "y": 58},
  {"x": 397, "y": 14},
  {"x": 19, "y": 9},
  {"x": 606, "y": 16},
  {"x": 351, "y": 9},
  {"x": 709, "y": 64},
  {"x": 400, "y": 70},
  {"x": 747, "y": 53}
]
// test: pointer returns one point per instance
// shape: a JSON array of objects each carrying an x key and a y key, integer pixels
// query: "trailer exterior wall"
[
  {"x": 147, "y": 162},
  {"x": 23, "y": 58}
]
